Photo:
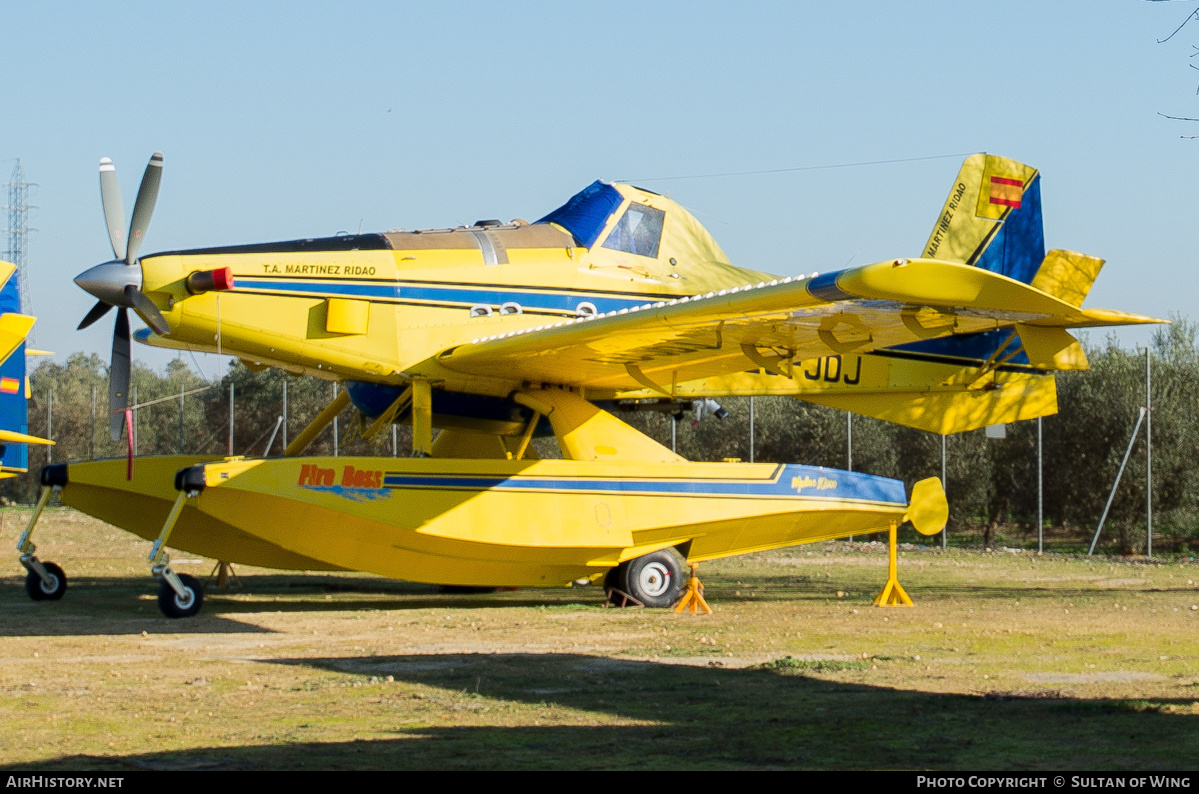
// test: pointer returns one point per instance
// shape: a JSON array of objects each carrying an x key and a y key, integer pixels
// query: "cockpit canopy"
[
  {"x": 633, "y": 221},
  {"x": 638, "y": 231},
  {"x": 586, "y": 213}
]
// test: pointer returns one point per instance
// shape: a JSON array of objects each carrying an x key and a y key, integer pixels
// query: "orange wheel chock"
[
  {"x": 693, "y": 600},
  {"x": 893, "y": 594}
]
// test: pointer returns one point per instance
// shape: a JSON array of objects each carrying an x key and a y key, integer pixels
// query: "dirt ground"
[{"x": 1008, "y": 660}]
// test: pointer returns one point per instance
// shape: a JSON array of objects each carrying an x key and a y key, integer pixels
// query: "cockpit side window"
[{"x": 639, "y": 231}]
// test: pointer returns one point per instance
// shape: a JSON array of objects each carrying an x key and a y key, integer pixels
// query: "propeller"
[{"x": 119, "y": 282}]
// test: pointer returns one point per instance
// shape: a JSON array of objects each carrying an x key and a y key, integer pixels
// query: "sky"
[{"x": 286, "y": 120}]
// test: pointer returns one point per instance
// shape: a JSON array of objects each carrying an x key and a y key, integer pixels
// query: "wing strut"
[
  {"x": 636, "y": 374},
  {"x": 322, "y": 421}
]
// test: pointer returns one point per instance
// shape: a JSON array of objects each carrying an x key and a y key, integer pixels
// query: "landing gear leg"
[
  {"x": 179, "y": 595},
  {"x": 44, "y": 581},
  {"x": 893, "y": 594}
]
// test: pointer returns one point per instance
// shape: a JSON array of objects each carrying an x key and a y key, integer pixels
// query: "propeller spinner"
[{"x": 119, "y": 282}]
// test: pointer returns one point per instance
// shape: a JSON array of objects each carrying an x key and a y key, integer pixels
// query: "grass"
[
  {"x": 1008, "y": 661},
  {"x": 789, "y": 664}
]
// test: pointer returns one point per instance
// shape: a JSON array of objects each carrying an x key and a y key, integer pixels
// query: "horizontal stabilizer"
[
  {"x": 13, "y": 437},
  {"x": 13, "y": 330},
  {"x": 1051, "y": 348},
  {"x": 1068, "y": 275}
]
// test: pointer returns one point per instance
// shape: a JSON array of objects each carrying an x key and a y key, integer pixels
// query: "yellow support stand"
[
  {"x": 893, "y": 594},
  {"x": 221, "y": 572},
  {"x": 693, "y": 600}
]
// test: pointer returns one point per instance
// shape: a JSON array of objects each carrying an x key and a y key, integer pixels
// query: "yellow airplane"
[{"x": 496, "y": 332}]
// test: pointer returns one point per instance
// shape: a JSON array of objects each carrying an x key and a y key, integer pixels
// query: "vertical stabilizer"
[
  {"x": 992, "y": 219},
  {"x": 13, "y": 415}
]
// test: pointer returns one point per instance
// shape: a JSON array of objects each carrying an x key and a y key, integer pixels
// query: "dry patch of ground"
[{"x": 1007, "y": 661}]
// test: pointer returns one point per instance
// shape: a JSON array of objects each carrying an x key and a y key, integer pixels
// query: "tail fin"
[
  {"x": 14, "y": 422},
  {"x": 992, "y": 219}
]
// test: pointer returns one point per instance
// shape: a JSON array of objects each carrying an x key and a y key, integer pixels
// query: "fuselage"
[{"x": 369, "y": 307}]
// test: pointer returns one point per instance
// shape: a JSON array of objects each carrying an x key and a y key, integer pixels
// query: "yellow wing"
[{"x": 770, "y": 325}]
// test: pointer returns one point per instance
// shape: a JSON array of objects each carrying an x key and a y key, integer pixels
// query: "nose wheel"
[
  {"x": 180, "y": 595},
  {"x": 184, "y": 602},
  {"x": 49, "y": 584},
  {"x": 44, "y": 581}
]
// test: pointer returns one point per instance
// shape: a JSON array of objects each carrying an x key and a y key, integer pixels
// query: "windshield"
[{"x": 639, "y": 231}]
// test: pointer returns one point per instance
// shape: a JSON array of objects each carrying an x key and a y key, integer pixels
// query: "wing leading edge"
[{"x": 771, "y": 326}]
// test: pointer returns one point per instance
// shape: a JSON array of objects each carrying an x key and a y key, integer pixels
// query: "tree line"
[{"x": 991, "y": 483}]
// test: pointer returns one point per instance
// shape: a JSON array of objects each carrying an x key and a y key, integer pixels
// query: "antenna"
[{"x": 18, "y": 231}]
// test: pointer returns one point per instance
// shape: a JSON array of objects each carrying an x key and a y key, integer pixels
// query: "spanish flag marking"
[
  {"x": 9, "y": 385},
  {"x": 1006, "y": 192}
]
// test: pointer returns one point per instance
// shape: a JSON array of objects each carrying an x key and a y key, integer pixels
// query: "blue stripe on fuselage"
[
  {"x": 789, "y": 481},
  {"x": 465, "y": 296}
]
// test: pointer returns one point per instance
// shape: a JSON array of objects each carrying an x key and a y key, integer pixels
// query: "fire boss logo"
[
  {"x": 353, "y": 478},
  {"x": 315, "y": 476}
]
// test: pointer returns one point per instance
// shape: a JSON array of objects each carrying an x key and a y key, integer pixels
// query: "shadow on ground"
[
  {"x": 684, "y": 717},
  {"x": 125, "y": 604}
]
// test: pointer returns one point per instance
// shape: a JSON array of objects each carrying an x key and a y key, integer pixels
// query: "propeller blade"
[
  {"x": 118, "y": 376},
  {"x": 99, "y": 310},
  {"x": 114, "y": 210},
  {"x": 146, "y": 310},
  {"x": 143, "y": 208}
]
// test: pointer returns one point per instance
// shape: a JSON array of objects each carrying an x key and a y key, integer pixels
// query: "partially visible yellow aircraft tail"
[
  {"x": 991, "y": 220},
  {"x": 14, "y": 385}
]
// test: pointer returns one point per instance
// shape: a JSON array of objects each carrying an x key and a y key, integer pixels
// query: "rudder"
[{"x": 992, "y": 219}]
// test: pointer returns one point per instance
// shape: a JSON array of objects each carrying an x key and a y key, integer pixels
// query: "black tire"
[
  {"x": 39, "y": 591},
  {"x": 174, "y": 607},
  {"x": 655, "y": 580}
]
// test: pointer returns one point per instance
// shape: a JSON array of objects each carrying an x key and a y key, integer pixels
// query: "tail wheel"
[
  {"x": 175, "y": 606},
  {"x": 655, "y": 580},
  {"x": 52, "y": 590}
]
